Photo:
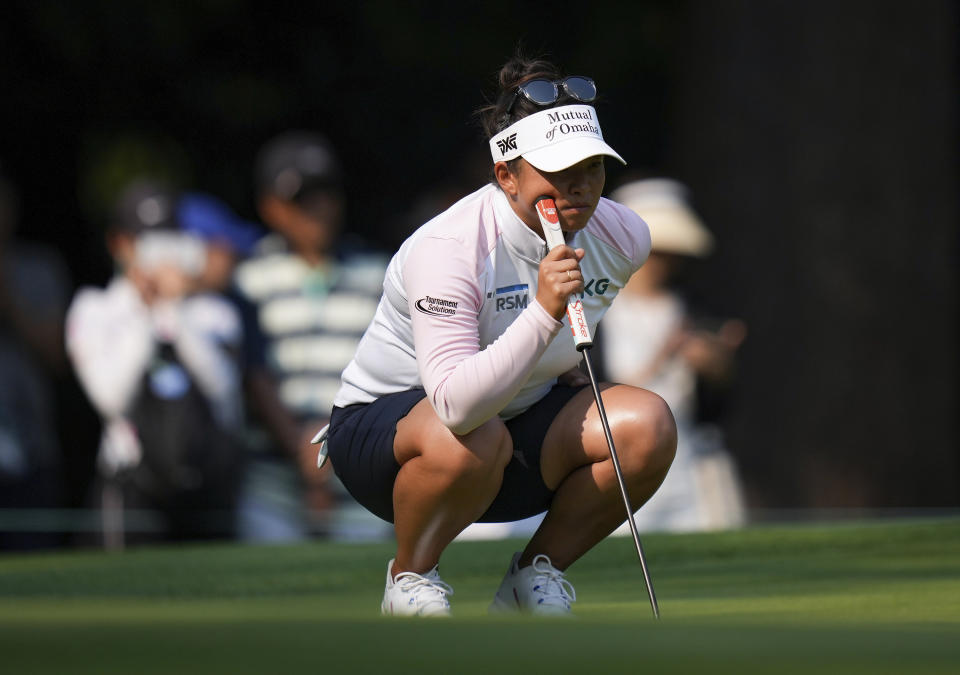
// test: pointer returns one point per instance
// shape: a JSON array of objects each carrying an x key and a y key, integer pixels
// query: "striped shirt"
[{"x": 311, "y": 317}]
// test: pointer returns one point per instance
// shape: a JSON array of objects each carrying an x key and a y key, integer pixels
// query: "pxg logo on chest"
[{"x": 595, "y": 287}]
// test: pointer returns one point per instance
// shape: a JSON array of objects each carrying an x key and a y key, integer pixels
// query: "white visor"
[{"x": 553, "y": 139}]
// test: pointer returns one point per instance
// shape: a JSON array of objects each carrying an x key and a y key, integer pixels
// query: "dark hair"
[{"x": 519, "y": 69}]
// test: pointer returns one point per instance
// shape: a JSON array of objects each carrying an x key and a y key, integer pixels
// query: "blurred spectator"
[
  {"x": 315, "y": 296},
  {"x": 34, "y": 289},
  {"x": 159, "y": 359},
  {"x": 650, "y": 338},
  {"x": 230, "y": 240}
]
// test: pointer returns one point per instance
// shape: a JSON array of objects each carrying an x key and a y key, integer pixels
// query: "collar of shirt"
[{"x": 520, "y": 239}]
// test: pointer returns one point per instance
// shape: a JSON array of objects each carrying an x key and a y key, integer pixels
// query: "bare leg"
[
  {"x": 445, "y": 483},
  {"x": 575, "y": 461}
]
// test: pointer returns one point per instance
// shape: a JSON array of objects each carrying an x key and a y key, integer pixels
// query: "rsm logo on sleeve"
[{"x": 511, "y": 297}]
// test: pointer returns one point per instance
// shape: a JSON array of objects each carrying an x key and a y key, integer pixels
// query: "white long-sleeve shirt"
[
  {"x": 111, "y": 337},
  {"x": 459, "y": 316}
]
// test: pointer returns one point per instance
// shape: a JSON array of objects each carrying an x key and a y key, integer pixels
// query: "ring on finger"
[{"x": 569, "y": 275}]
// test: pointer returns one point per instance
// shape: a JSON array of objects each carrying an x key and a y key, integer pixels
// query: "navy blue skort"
[{"x": 360, "y": 448}]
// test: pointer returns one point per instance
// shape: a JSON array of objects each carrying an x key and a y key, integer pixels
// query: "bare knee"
[{"x": 647, "y": 432}]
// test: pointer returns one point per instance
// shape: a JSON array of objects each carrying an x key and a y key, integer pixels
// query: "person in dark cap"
[
  {"x": 296, "y": 164},
  {"x": 314, "y": 301},
  {"x": 300, "y": 197},
  {"x": 144, "y": 240},
  {"x": 158, "y": 359}
]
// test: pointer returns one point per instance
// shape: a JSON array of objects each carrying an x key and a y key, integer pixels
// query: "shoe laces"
[
  {"x": 550, "y": 583},
  {"x": 424, "y": 590}
]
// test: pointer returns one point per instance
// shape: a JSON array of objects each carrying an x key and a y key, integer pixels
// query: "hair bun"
[{"x": 516, "y": 71}]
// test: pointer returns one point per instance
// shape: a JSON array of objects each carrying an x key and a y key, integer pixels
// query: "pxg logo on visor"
[{"x": 553, "y": 139}]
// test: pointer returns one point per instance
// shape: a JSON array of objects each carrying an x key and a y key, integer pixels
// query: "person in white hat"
[
  {"x": 463, "y": 402},
  {"x": 648, "y": 340}
]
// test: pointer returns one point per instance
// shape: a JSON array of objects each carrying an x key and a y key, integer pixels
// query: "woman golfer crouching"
[{"x": 463, "y": 402}]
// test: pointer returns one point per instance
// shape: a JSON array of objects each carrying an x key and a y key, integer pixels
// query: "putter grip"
[{"x": 550, "y": 222}]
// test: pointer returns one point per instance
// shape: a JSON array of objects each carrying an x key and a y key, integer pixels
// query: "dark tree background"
[{"x": 819, "y": 139}]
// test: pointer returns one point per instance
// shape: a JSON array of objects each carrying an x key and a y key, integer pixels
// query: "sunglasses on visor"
[{"x": 545, "y": 92}]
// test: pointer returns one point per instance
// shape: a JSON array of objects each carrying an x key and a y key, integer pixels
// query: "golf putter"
[{"x": 547, "y": 210}]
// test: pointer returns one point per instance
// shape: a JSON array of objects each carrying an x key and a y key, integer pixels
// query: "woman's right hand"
[{"x": 559, "y": 278}]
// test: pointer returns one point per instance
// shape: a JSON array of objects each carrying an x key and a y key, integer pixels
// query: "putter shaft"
[
  {"x": 550, "y": 222},
  {"x": 623, "y": 487}
]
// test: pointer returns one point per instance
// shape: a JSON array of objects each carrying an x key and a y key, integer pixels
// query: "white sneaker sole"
[{"x": 385, "y": 611}]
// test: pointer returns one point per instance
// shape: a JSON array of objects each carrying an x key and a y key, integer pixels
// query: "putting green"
[{"x": 879, "y": 597}]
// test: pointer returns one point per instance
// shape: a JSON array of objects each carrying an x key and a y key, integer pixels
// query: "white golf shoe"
[
  {"x": 412, "y": 594},
  {"x": 537, "y": 589}
]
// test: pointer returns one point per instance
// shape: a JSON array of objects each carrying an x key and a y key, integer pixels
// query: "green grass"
[{"x": 850, "y": 598}]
